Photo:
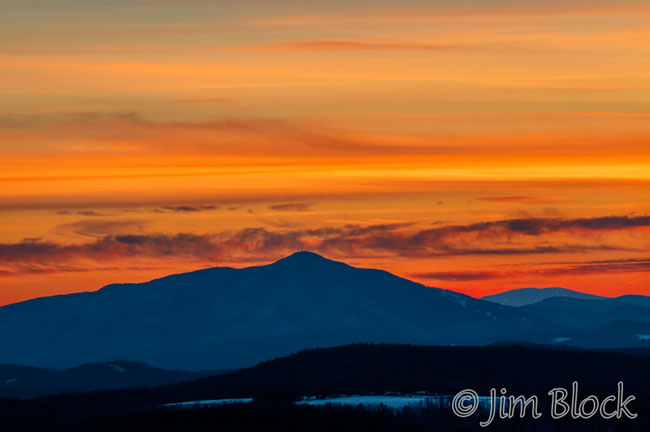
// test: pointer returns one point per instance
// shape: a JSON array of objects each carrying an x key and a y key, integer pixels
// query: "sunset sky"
[{"x": 471, "y": 145}]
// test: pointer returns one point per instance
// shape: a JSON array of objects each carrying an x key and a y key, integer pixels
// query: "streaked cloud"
[
  {"x": 537, "y": 226},
  {"x": 114, "y": 242},
  {"x": 80, "y": 212},
  {"x": 426, "y": 16},
  {"x": 357, "y": 45},
  {"x": 296, "y": 206},
  {"x": 528, "y": 120},
  {"x": 188, "y": 208},
  {"x": 518, "y": 199},
  {"x": 100, "y": 227},
  {"x": 202, "y": 100},
  {"x": 578, "y": 269}
]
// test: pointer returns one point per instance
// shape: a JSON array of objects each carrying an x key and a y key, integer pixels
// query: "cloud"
[
  {"x": 584, "y": 268},
  {"x": 518, "y": 199},
  {"x": 89, "y": 213},
  {"x": 80, "y": 213},
  {"x": 102, "y": 227},
  {"x": 115, "y": 246},
  {"x": 352, "y": 45},
  {"x": 189, "y": 208},
  {"x": 459, "y": 276},
  {"x": 297, "y": 206},
  {"x": 535, "y": 227},
  {"x": 54, "y": 268},
  {"x": 116, "y": 240},
  {"x": 204, "y": 247},
  {"x": 418, "y": 17},
  {"x": 132, "y": 134},
  {"x": 202, "y": 100}
]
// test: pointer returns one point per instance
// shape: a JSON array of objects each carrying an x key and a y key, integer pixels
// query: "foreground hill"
[
  {"x": 366, "y": 369},
  {"x": 223, "y": 318},
  {"x": 353, "y": 369}
]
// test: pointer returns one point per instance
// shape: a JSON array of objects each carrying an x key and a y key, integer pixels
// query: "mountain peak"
[{"x": 304, "y": 257}]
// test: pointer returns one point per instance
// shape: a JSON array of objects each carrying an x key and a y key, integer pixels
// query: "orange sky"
[{"x": 473, "y": 145}]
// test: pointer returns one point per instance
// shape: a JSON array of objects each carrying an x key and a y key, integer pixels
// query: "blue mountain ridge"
[{"x": 224, "y": 318}]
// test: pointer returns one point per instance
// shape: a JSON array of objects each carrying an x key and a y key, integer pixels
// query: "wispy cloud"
[
  {"x": 202, "y": 100},
  {"x": 80, "y": 213},
  {"x": 297, "y": 206},
  {"x": 91, "y": 134},
  {"x": 188, "y": 208},
  {"x": 403, "y": 17},
  {"x": 585, "y": 268},
  {"x": 497, "y": 238},
  {"x": 357, "y": 45},
  {"x": 536, "y": 226},
  {"x": 101, "y": 227},
  {"x": 519, "y": 199},
  {"x": 36, "y": 251},
  {"x": 201, "y": 247}
]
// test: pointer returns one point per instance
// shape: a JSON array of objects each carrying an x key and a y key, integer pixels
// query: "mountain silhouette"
[
  {"x": 590, "y": 314},
  {"x": 526, "y": 296},
  {"x": 222, "y": 318}
]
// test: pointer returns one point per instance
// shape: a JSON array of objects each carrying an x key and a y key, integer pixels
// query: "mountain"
[
  {"x": 590, "y": 321},
  {"x": 224, "y": 318},
  {"x": 591, "y": 314},
  {"x": 638, "y": 300},
  {"x": 26, "y": 382},
  {"x": 617, "y": 334},
  {"x": 526, "y": 296}
]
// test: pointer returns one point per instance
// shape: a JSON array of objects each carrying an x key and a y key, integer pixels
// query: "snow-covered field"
[
  {"x": 391, "y": 401},
  {"x": 194, "y": 404},
  {"x": 397, "y": 402}
]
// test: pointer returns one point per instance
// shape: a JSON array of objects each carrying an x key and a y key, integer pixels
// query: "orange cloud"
[
  {"x": 519, "y": 199},
  {"x": 504, "y": 114},
  {"x": 350, "y": 45},
  {"x": 113, "y": 242},
  {"x": 632, "y": 265},
  {"x": 202, "y": 100},
  {"x": 302, "y": 206},
  {"x": 422, "y": 17}
]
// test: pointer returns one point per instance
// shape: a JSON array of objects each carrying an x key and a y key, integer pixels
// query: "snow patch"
[
  {"x": 206, "y": 403},
  {"x": 489, "y": 314},
  {"x": 460, "y": 300},
  {"x": 396, "y": 402},
  {"x": 559, "y": 340},
  {"x": 116, "y": 368},
  {"x": 388, "y": 400},
  {"x": 642, "y": 337},
  {"x": 11, "y": 381}
]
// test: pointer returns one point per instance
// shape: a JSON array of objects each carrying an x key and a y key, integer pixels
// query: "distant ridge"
[
  {"x": 223, "y": 318},
  {"x": 227, "y": 318},
  {"x": 527, "y": 296}
]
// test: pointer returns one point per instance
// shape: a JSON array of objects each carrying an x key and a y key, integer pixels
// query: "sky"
[{"x": 476, "y": 146}]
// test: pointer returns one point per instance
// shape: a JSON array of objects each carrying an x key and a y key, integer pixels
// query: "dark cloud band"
[{"x": 113, "y": 241}]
